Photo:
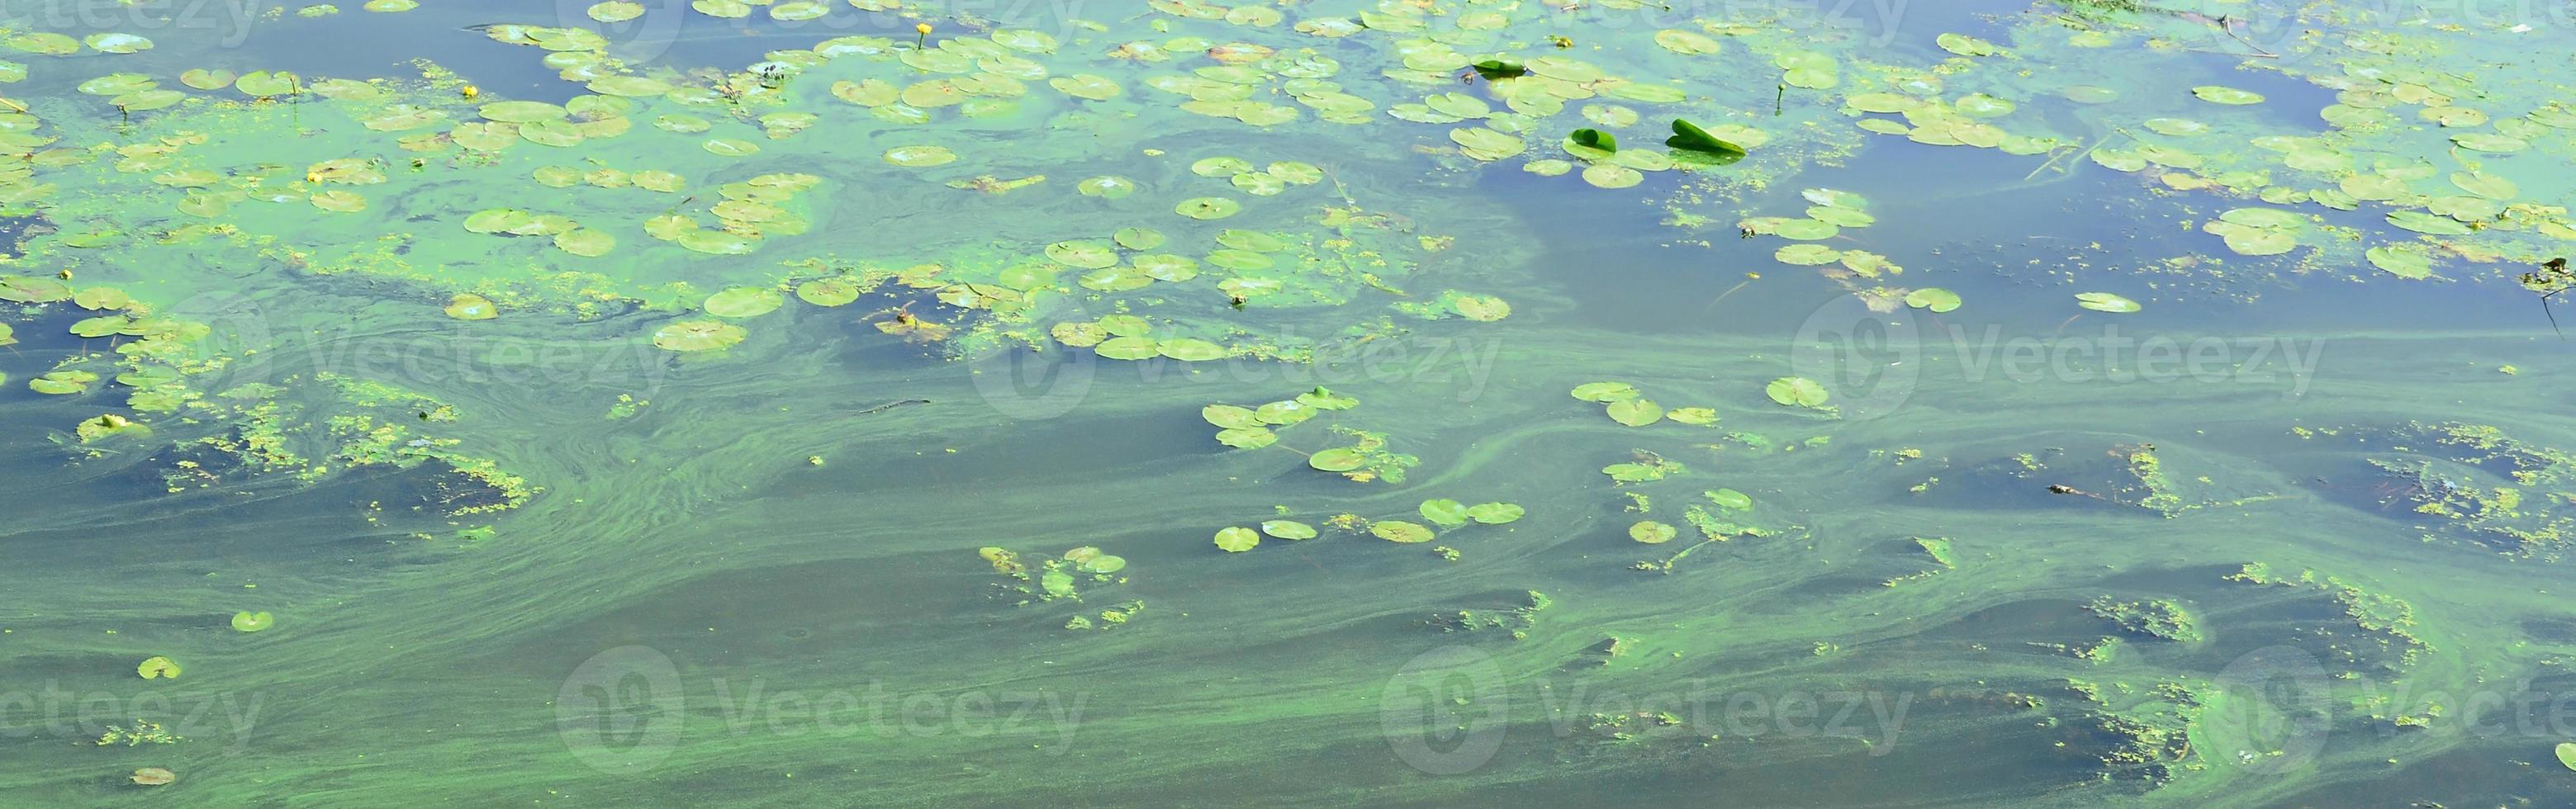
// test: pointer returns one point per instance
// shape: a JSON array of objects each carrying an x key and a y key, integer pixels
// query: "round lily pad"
[
  {"x": 697, "y": 335},
  {"x": 1230, "y": 416},
  {"x": 1796, "y": 391},
  {"x": 158, "y": 668},
  {"x": 1605, "y": 391},
  {"x": 1127, "y": 348},
  {"x": 1934, "y": 299},
  {"x": 2106, "y": 302},
  {"x": 585, "y": 242},
  {"x": 1207, "y": 207},
  {"x": 828, "y": 292},
  {"x": 1237, "y": 539},
  {"x": 1247, "y": 437},
  {"x": 2226, "y": 95},
  {"x": 1731, "y": 499},
  {"x": 1635, "y": 412},
  {"x": 1401, "y": 531},
  {"x": 744, "y": 302},
  {"x": 1104, "y": 187},
  {"x": 1190, "y": 350},
  {"x": 1495, "y": 513},
  {"x": 2401, "y": 260},
  {"x": 1134, "y": 238},
  {"x": 1652, "y": 532},
  {"x": 1288, "y": 529},
  {"x": 920, "y": 156},
  {"x": 1086, "y": 254},
  {"x": 1336, "y": 459},
  {"x": 1444, "y": 513},
  {"x": 469, "y": 306}
]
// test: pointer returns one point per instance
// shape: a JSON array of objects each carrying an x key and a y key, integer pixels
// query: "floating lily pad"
[
  {"x": 1481, "y": 308},
  {"x": 1079, "y": 253},
  {"x": 920, "y": 156},
  {"x": 1247, "y": 437},
  {"x": 62, "y": 383},
  {"x": 2226, "y": 95},
  {"x": 1237, "y": 539},
  {"x": 1701, "y": 416},
  {"x": 697, "y": 335},
  {"x": 828, "y": 292},
  {"x": 2485, "y": 185},
  {"x": 2486, "y": 142},
  {"x": 744, "y": 302},
  {"x": 209, "y": 78},
  {"x": 2422, "y": 222},
  {"x": 1288, "y": 529},
  {"x": 1322, "y": 398},
  {"x": 1635, "y": 412},
  {"x": 732, "y": 147},
  {"x": 1965, "y": 45},
  {"x": 1134, "y": 238},
  {"x": 117, "y": 43},
  {"x": 1495, "y": 513},
  {"x": 2106, "y": 302},
  {"x": 1401, "y": 531},
  {"x": 1125, "y": 325},
  {"x": 158, "y": 668},
  {"x": 1933, "y": 299},
  {"x": 1284, "y": 413},
  {"x": 1796, "y": 391},
  {"x": 1127, "y": 348},
  {"x": 1190, "y": 350},
  {"x": 1807, "y": 255},
  {"x": 1444, "y": 513},
  {"x": 585, "y": 242},
  {"x": 29, "y": 289},
  {"x": 2401, "y": 260},
  {"x": 1605, "y": 392},
  {"x": 1652, "y": 532},
  {"x": 1106, "y": 187},
  {"x": 253, "y": 621},
  {"x": 1690, "y": 143},
  {"x": 1337, "y": 459},
  {"x": 1207, "y": 207},
  {"x": 469, "y": 306},
  {"x": 1230, "y": 416}
]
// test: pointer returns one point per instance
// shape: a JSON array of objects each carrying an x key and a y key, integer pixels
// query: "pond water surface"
[{"x": 1324, "y": 403}]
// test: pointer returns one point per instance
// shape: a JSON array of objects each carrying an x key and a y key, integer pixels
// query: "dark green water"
[{"x": 712, "y": 407}]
